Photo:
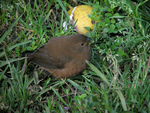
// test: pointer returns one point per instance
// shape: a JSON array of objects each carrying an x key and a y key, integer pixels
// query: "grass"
[{"x": 116, "y": 79}]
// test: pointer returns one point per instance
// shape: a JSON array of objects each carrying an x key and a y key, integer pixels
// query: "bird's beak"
[{"x": 89, "y": 40}]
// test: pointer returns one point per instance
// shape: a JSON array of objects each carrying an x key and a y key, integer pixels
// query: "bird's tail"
[{"x": 28, "y": 54}]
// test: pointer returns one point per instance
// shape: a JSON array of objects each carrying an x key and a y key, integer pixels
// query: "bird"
[{"x": 63, "y": 56}]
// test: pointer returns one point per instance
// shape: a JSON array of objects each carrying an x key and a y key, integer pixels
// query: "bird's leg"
[{"x": 68, "y": 85}]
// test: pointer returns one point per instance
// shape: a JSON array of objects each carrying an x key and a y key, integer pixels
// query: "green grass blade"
[
  {"x": 123, "y": 102},
  {"x": 2, "y": 73},
  {"x": 3, "y": 63},
  {"x": 76, "y": 85},
  {"x": 64, "y": 9},
  {"x": 47, "y": 16},
  {"x": 14, "y": 46},
  {"x": 98, "y": 73},
  {"x": 59, "y": 96},
  {"x": 7, "y": 32}
]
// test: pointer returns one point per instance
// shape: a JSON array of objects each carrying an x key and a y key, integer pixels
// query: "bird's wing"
[{"x": 51, "y": 55}]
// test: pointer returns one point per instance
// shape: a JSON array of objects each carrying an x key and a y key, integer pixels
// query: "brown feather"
[{"x": 63, "y": 56}]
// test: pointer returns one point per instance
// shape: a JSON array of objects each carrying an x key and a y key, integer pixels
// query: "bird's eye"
[{"x": 82, "y": 44}]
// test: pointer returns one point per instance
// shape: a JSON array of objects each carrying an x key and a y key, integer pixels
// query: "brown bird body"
[{"x": 63, "y": 56}]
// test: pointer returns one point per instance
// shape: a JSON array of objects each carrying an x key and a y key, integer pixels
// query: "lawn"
[{"x": 117, "y": 78}]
